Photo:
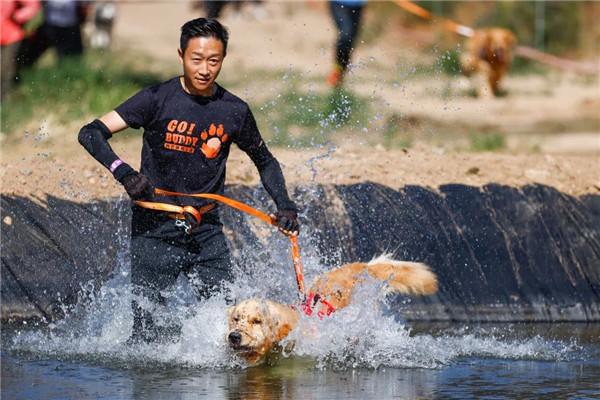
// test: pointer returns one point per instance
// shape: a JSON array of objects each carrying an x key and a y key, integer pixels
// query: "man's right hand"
[
  {"x": 287, "y": 222},
  {"x": 137, "y": 186}
]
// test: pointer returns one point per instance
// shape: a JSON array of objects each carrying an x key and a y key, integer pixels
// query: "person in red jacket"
[{"x": 13, "y": 16}]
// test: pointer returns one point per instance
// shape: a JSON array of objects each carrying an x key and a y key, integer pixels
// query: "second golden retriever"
[
  {"x": 490, "y": 52},
  {"x": 255, "y": 326}
]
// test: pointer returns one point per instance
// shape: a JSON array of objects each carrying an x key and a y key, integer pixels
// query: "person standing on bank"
[
  {"x": 189, "y": 125},
  {"x": 347, "y": 16}
]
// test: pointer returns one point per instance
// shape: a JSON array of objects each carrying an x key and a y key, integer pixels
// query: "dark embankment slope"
[{"x": 501, "y": 253}]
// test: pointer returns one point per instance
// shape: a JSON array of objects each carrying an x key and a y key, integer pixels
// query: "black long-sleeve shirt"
[{"x": 187, "y": 139}]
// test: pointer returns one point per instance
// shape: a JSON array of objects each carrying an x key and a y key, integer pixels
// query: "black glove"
[
  {"x": 137, "y": 186},
  {"x": 287, "y": 222}
]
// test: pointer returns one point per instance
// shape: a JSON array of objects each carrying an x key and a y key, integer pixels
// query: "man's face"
[{"x": 202, "y": 61}]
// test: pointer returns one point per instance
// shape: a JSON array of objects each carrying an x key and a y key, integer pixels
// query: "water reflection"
[
  {"x": 503, "y": 360},
  {"x": 298, "y": 379},
  {"x": 288, "y": 381}
]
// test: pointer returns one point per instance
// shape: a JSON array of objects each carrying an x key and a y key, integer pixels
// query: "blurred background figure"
[
  {"x": 14, "y": 16},
  {"x": 347, "y": 16},
  {"x": 214, "y": 9},
  {"x": 104, "y": 18},
  {"x": 61, "y": 29}
]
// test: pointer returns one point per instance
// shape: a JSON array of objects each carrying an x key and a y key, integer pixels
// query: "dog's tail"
[
  {"x": 400, "y": 276},
  {"x": 403, "y": 276}
]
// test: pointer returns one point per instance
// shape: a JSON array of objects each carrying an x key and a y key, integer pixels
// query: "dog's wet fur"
[{"x": 255, "y": 326}]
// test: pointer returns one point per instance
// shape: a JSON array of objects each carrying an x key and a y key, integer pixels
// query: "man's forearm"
[
  {"x": 94, "y": 138},
  {"x": 274, "y": 183}
]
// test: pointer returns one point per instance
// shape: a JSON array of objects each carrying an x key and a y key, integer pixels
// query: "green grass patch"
[
  {"x": 298, "y": 118},
  {"x": 524, "y": 66},
  {"x": 488, "y": 142},
  {"x": 407, "y": 69},
  {"x": 394, "y": 132},
  {"x": 449, "y": 62},
  {"x": 72, "y": 89}
]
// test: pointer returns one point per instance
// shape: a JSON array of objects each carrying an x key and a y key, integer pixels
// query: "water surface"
[{"x": 509, "y": 361}]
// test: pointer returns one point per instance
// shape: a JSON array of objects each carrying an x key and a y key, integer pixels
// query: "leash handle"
[{"x": 248, "y": 210}]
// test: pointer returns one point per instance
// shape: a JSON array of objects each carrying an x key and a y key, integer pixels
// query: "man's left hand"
[{"x": 287, "y": 222}]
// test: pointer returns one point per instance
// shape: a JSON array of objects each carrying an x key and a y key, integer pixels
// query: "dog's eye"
[
  {"x": 236, "y": 319},
  {"x": 257, "y": 321}
]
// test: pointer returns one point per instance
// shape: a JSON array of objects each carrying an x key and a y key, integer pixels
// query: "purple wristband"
[{"x": 115, "y": 164}]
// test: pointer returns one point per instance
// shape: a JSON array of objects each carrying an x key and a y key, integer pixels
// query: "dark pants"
[
  {"x": 160, "y": 251},
  {"x": 213, "y": 8},
  {"x": 67, "y": 42},
  {"x": 347, "y": 20}
]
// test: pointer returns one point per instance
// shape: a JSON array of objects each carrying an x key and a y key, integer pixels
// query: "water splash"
[
  {"x": 364, "y": 335},
  {"x": 324, "y": 156},
  {"x": 367, "y": 334}
]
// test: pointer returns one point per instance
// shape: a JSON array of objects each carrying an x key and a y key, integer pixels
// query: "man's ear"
[{"x": 180, "y": 53}]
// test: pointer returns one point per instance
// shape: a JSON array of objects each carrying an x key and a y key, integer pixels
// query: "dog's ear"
[
  {"x": 283, "y": 329},
  {"x": 280, "y": 325}
]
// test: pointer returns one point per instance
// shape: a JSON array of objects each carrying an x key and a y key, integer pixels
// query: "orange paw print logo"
[{"x": 212, "y": 140}]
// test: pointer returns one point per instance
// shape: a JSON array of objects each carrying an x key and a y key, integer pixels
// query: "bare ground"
[
  {"x": 541, "y": 113},
  {"x": 81, "y": 178}
]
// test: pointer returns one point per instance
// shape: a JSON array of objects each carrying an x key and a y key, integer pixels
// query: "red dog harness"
[{"x": 312, "y": 300}]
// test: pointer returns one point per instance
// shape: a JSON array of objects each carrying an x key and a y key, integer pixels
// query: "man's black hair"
[{"x": 203, "y": 27}]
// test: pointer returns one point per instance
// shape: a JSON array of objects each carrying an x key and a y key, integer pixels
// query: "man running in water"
[{"x": 189, "y": 124}]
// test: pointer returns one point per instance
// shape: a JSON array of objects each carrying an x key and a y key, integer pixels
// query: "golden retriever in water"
[
  {"x": 257, "y": 325},
  {"x": 490, "y": 52}
]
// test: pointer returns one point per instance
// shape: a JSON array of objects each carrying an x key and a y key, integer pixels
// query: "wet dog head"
[
  {"x": 255, "y": 326},
  {"x": 495, "y": 45}
]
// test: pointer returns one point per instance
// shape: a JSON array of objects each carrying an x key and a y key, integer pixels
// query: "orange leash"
[
  {"x": 226, "y": 200},
  {"x": 179, "y": 210},
  {"x": 423, "y": 13},
  {"x": 297, "y": 265}
]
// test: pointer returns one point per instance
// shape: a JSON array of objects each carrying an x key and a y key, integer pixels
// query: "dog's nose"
[{"x": 235, "y": 338}]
